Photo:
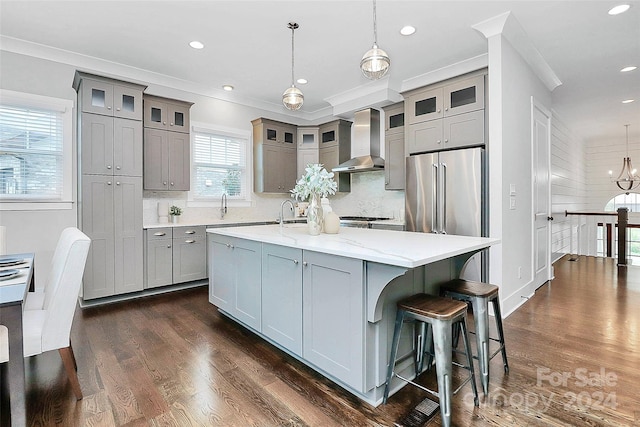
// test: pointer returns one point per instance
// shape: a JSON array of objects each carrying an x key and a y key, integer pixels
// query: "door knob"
[{"x": 549, "y": 218}]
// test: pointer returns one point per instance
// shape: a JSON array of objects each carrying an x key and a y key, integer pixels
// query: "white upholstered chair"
[
  {"x": 49, "y": 327},
  {"x": 35, "y": 300}
]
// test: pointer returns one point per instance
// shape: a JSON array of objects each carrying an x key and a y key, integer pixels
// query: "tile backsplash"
[{"x": 367, "y": 198}]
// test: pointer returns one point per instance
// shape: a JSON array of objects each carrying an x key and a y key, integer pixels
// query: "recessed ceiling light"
[
  {"x": 196, "y": 44},
  {"x": 628, "y": 101},
  {"x": 407, "y": 30},
  {"x": 228, "y": 88},
  {"x": 302, "y": 81},
  {"x": 619, "y": 9},
  {"x": 630, "y": 68}
]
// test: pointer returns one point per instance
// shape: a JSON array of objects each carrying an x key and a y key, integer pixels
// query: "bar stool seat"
[
  {"x": 435, "y": 316},
  {"x": 479, "y": 295}
]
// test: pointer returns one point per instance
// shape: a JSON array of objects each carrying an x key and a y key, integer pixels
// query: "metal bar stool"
[
  {"x": 435, "y": 314},
  {"x": 479, "y": 295}
]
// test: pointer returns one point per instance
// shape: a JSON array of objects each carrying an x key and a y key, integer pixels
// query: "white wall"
[
  {"x": 512, "y": 83},
  {"x": 568, "y": 184}
]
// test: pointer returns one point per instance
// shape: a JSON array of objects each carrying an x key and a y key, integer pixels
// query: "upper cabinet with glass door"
[
  {"x": 109, "y": 97},
  {"x": 438, "y": 101},
  {"x": 166, "y": 114}
]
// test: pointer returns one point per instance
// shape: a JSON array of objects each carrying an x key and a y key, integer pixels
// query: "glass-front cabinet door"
[
  {"x": 425, "y": 105},
  {"x": 127, "y": 102},
  {"x": 464, "y": 96},
  {"x": 97, "y": 97},
  {"x": 307, "y": 138}
]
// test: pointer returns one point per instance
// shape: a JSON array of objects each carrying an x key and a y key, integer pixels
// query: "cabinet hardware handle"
[
  {"x": 438, "y": 110},
  {"x": 164, "y": 123},
  {"x": 295, "y": 261},
  {"x": 439, "y": 141},
  {"x": 304, "y": 263},
  {"x": 169, "y": 246},
  {"x": 118, "y": 109},
  {"x": 170, "y": 124},
  {"x": 189, "y": 241},
  {"x": 108, "y": 166},
  {"x": 164, "y": 182},
  {"x": 232, "y": 247},
  {"x": 118, "y": 167},
  {"x": 108, "y": 108},
  {"x": 117, "y": 182},
  {"x": 446, "y": 140},
  {"x": 189, "y": 232},
  {"x": 172, "y": 183},
  {"x": 159, "y": 233},
  {"x": 108, "y": 182},
  {"x": 446, "y": 109},
  {"x": 228, "y": 245}
]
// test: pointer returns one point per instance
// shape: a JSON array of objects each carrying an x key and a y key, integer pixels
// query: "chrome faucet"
[
  {"x": 223, "y": 205},
  {"x": 282, "y": 211}
]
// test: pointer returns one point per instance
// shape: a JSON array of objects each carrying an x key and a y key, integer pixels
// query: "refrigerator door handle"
[
  {"x": 434, "y": 206},
  {"x": 444, "y": 198}
]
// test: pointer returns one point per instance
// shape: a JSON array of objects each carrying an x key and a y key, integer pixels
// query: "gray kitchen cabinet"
[
  {"x": 461, "y": 130},
  {"x": 282, "y": 296},
  {"x": 112, "y": 217},
  {"x": 110, "y": 146},
  {"x": 166, "y": 160},
  {"x": 189, "y": 254},
  {"x": 158, "y": 257},
  {"x": 274, "y": 156},
  {"x": 456, "y": 96},
  {"x": 335, "y": 148},
  {"x": 235, "y": 280},
  {"x": 167, "y": 144},
  {"x": 333, "y": 314},
  {"x": 110, "y": 184},
  {"x": 307, "y": 148},
  {"x": 166, "y": 114},
  {"x": 446, "y": 115},
  {"x": 108, "y": 97},
  {"x": 394, "y": 158}
]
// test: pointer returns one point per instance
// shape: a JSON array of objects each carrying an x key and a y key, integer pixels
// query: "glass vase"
[{"x": 314, "y": 215}]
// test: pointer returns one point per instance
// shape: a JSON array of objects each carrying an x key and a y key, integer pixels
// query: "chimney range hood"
[{"x": 366, "y": 133}]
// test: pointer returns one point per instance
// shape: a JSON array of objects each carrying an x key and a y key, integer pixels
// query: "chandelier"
[
  {"x": 292, "y": 98},
  {"x": 628, "y": 179}
]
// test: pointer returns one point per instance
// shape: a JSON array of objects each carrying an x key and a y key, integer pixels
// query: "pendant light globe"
[
  {"x": 375, "y": 63},
  {"x": 292, "y": 98}
]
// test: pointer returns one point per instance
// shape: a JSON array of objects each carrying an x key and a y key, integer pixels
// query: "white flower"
[{"x": 316, "y": 180}]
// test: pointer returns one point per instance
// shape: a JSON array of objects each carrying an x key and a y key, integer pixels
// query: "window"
[
  {"x": 35, "y": 150},
  {"x": 219, "y": 165}
]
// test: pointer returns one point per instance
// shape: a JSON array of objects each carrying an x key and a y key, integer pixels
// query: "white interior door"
[{"x": 541, "y": 146}]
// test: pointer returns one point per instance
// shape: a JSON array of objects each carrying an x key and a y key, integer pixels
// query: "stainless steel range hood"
[{"x": 366, "y": 133}]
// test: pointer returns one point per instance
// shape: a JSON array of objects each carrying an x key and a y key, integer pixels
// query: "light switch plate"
[
  {"x": 512, "y": 203},
  {"x": 512, "y": 189}
]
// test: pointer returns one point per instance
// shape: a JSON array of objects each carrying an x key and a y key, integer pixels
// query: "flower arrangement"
[
  {"x": 175, "y": 210},
  {"x": 316, "y": 180}
]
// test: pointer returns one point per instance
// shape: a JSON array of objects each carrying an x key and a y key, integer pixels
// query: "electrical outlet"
[{"x": 512, "y": 202}]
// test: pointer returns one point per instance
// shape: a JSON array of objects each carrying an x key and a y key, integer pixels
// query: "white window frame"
[
  {"x": 198, "y": 202},
  {"x": 64, "y": 106}
]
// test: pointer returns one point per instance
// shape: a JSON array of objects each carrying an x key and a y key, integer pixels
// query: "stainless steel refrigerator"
[{"x": 445, "y": 193}]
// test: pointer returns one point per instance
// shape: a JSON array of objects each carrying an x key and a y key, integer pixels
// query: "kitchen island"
[{"x": 329, "y": 300}]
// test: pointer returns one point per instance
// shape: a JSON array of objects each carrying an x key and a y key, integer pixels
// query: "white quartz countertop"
[{"x": 399, "y": 248}]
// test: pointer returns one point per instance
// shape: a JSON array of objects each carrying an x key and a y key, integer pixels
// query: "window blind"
[
  {"x": 219, "y": 163},
  {"x": 31, "y": 154}
]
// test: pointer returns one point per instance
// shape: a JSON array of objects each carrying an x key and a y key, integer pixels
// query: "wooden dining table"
[{"x": 13, "y": 292}]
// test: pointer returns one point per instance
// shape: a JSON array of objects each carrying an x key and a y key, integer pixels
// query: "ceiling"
[{"x": 248, "y": 45}]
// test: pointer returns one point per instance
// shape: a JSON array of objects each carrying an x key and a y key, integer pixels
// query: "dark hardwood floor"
[{"x": 173, "y": 360}]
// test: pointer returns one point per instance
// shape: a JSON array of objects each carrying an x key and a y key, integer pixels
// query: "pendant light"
[
  {"x": 628, "y": 178},
  {"x": 292, "y": 98},
  {"x": 375, "y": 63}
]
